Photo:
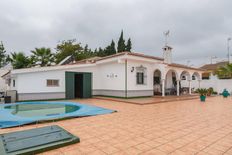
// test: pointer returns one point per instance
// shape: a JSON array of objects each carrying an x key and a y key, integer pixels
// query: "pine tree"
[
  {"x": 128, "y": 45},
  {"x": 100, "y": 52},
  {"x": 112, "y": 47},
  {"x": 3, "y": 55},
  {"x": 121, "y": 43},
  {"x": 86, "y": 48},
  {"x": 107, "y": 51}
]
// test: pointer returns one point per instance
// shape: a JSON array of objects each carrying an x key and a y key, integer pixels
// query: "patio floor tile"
[{"x": 179, "y": 127}]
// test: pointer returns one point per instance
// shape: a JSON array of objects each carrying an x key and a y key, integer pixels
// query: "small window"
[
  {"x": 13, "y": 83},
  {"x": 193, "y": 77},
  {"x": 52, "y": 83},
  {"x": 183, "y": 77},
  {"x": 140, "y": 78}
]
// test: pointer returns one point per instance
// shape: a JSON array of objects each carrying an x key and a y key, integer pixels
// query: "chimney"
[{"x": 167, "y": 54}]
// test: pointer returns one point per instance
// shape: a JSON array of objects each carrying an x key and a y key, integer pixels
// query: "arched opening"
[
  {"x": 185, "y": 75},
  {"x": 196, "y": 76},
  {"x": 196, "y": 80},
  {"x": 171, "y": 83},
  {"x": 157, "y": 82},
  {"x": 185, "y": 78}
]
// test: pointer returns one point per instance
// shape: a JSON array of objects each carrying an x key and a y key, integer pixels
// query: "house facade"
[{"x": 125, "y": 74}]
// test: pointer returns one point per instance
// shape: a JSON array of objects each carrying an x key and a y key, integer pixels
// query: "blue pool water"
[{"x": 29, "y": 112}]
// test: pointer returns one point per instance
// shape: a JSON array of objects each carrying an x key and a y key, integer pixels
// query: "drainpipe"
[{"x": 126, "y": 78}]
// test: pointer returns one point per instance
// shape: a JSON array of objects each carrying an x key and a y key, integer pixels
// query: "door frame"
[{"x": 70, "y": 84}]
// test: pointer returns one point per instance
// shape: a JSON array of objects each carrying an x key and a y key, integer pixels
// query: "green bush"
[
  {"x": 210, "y": 91},
  {"x": 215, "y": 93}
]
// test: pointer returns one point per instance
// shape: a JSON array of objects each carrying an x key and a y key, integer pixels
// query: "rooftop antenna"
[
  {"x": 212, "y": 58},
  {"x": 166, "y": 35}
]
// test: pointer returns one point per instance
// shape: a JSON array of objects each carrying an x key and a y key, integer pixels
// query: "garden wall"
[{"x": 217, "y": 84}]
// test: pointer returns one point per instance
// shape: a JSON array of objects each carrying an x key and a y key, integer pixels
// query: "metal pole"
[{"x": 228, "y": 49}]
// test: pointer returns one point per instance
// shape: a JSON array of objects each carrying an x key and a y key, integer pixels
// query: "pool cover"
[
  {"x": 9, "y": 119},
  {"x": 35, "y": 140}
]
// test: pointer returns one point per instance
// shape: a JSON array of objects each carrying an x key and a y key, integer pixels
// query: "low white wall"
[{"x": 218, "y": 84}]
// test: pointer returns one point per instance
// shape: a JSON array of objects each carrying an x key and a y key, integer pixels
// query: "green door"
[
  {"x": 87, "y": 85},
  {"x": 70, "y": 84}
]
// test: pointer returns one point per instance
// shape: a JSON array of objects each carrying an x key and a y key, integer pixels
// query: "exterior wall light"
[{"x": 132, "y": 69}]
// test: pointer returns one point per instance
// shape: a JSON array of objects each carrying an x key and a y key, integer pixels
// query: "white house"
[{"x": 124, "y": 74}]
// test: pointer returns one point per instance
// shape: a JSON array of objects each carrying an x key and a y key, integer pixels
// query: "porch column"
[
  {"x": 190, "y": 87},
  {"x": 178, "y": 88},
  {"x": 163, "y": 87}
]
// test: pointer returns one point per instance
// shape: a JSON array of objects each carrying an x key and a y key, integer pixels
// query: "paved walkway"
[{"x": 180, "y": 128}]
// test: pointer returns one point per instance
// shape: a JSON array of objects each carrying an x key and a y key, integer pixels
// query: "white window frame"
[{"x": 143, "y": 70}]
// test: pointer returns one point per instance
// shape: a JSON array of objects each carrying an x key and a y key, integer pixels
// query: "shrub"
[
  {"x": 210, "y": 91},
  {"x": 202, "y": 91}
]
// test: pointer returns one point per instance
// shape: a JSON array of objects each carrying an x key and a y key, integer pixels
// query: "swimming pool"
[{"x": 29, "y": 112}]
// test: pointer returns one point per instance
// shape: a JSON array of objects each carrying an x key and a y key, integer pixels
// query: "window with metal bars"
[{"x": 52, "y": 83}]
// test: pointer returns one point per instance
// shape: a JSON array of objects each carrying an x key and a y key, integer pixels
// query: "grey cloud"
[{"x": 199, "y": 28}]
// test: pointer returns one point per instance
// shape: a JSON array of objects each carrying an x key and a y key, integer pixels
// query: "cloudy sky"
[{"x": 199, "y": 28}]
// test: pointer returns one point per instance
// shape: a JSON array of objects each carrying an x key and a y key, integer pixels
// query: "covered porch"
[{"x": 175, "y": 81}]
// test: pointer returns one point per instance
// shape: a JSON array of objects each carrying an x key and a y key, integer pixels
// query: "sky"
[{"x": 198, "y": 28}]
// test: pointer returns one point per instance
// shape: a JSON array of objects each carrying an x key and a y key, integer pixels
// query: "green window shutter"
[{"x": 87, "y": 85}]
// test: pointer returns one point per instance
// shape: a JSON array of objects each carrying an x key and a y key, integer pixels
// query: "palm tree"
[
  {"x": 19, "y": 60},
  {"x": 224, "y": 72},
  {"x": 42, "y": 56}
]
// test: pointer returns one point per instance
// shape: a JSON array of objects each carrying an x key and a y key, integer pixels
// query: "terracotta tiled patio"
[{"x": 181, "y": 128}]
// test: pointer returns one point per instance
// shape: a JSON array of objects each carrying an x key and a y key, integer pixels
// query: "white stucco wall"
[
  {"x": 169, "y": 82},
  {"x": 131, "y": 76},
  {"x": 108, "y": 76},
  {"x": 150, "y": 69},
  {"x": 218, "y": 84},
  {"x": 37, "y": 82}
]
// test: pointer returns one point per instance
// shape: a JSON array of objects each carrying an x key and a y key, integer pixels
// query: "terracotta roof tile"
[
  {"x": 213, "y": 67},
  {"x": 131, "y": 53},
  {"x": 184, "y": 66}
]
